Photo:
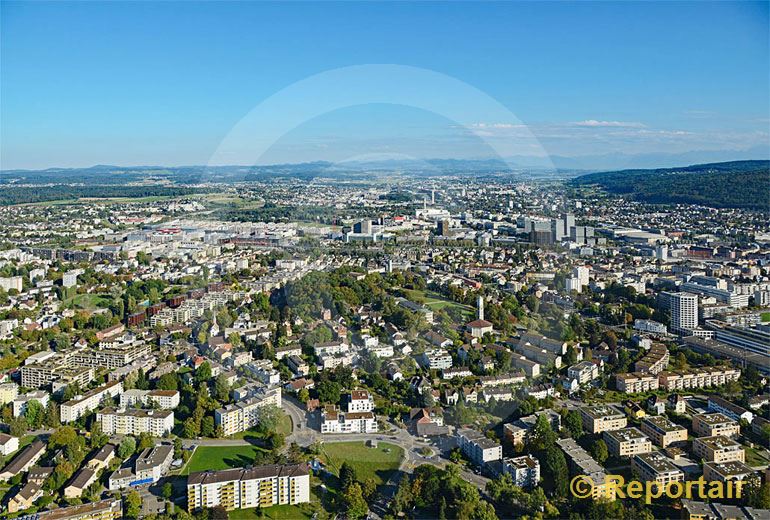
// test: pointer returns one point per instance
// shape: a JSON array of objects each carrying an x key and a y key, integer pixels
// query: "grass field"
[
  {"x": 765, "y": 316},
  {"x": 377, "y": 463},
  {"x": 297, "y": 512},
  {"x": 435, "y": 302},
  {"x": 221, "y": 457},
  {"x": 89, "y": 301},
  {"x": 754, "y": 457},
  {"x": 284, "y": 427}
]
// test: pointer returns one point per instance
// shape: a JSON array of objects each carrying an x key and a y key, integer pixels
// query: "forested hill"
[{"x": 737, "y": 184}]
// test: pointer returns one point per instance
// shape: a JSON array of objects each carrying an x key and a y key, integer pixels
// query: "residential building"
[
  {"x": 83, "y": 478},
  {"x": 583, "y": 372},
  {"x": 627, "y": 442},
  {"x": 731, "y": 410},
  {"x": 334, "y": 421},
  {"x": 435, "y": 359},
  {"x": 359, "y": 401},
  {"x": 477, "y": 447},
  {"x": 24, "y": 460},
  {"x": 524, "y": 470},
  {"x": 728, "y": 471},
  {"x": 663, "y": 431},
  {"x": 8, "y": 392},
  {"x": 135, "y": 421},
  {"x": 581, "y": 463},
  {"x": 259, "y": 486},
  {"x": 655, "y": 361},
  {"x": 164, "y": 399},
  {"x": 75, "y": 408},
  {"x": 244, "y": 414},
  {"x": 21, "y": 402},
  {"x": 636, "y": 382},
  {"x": 697, "y": 378},
  {"x": 718, "y": 449},
  {"x": 25, "y": 498},
  {"x": 656, "y": 467},
  {"x": 109, "y": 509},
  {"x": 712, "y": 424},
  {"x": 147, "y": 467},
  {"x": 601, "y": 418},
  {"x": 684, "y": 311},
  {"x": 8, "y": 444}
]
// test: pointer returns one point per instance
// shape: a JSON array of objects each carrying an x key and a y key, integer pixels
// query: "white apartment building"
[
  {"x": 75, "y": 408},
  {"x": 359, "y": 401},
  {"x": 259, "y": 486},
  {"x": 583, "y": 372},
  {"x": 636, "y": 382},
  {"x": 684, "y": 311},
  {"x": 697, "y": 378},
  {"x": 136, "y": 421},
  {"x": 150, "y": 465},
  {"x": 477, "y": 447},
  {"x": 435, "y": 359},
  {"x": 334, "y": 421},
  {"x": 8, "y": 392},
  {"x": 21, "y": 402},
  {"x": 164, "y": 399},
  {"x": 524, "y": 470}
]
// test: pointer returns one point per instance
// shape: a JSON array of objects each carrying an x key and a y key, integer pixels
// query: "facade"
[
  {"x": 260, "y": 486},
  {"x": 477, "y": 447},
  {"x": 712, "y": 424},
  {"x": 524, "y": 470},
  {"x": 727, "y": 471},
  {"x": 73, "y": 409},
  {"x": 662, "y": 431},
  {"x": 8, "y": 392},
  {"x": 731, "y": 410},
  {"x": 718, "y": 449},
  {"x": 136, "y": 421},
  {"x": 598, "y": 419},
  {"x": 655, "y": 361},
  {"x": 627, "y": 442},
  {"x": 359, "y": 401}
]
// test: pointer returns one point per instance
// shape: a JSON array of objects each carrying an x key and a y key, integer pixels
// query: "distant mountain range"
[{"x": 735, "y": 184}]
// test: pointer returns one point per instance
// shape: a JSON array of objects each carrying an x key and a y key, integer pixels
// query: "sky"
[{"x": 163, "y": 83}]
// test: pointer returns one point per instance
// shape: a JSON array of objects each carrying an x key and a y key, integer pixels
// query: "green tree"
[
  {"x": 353, "y": 501},
  {"x": 34, "y": 414},
  {"x": 347, "y": 475},
  {"x": 203, "y": 374},
  {"x": 126, "y": 447},
  {"x": 145, "y": 441},
  {"x": 133, "y": 504},
  {"x": 555, "y": 465},
  {"x": 599, "y": 451},
  {"x": 573, "y": 423},
  {"x": 168, "y": 382}
]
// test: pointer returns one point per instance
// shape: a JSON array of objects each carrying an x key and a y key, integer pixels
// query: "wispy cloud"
[{"x": 594, "y": 123}]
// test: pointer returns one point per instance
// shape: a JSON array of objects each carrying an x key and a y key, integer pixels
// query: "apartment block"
[
  {"x": 662, "y": 431},
  {"x": 359, "y": 401},
  {"x": 335, "y": 421},
  {"x": 244, "y": 414},
  {"x": 713, "y": 424},
  {"x": 584, "y": 372},
  {"x": 727, "y": 471},
  {"x": 136, "y": 421},
  {"x": 75, "y": 408},
  {"x": 697, "y": 378},
  {"x": 477, "y": 447},
  {"x": 655, "y": 361},
  {"x": 260, "y": 486},
  {"x": 601, "y": 418},
  {"x": 627, "y": 442},
  {"x": 164, "y": 399},
  {"x": 656, "y": 467},
  {"x": 524, "y": 470},
  {"x": 636, "y": 382},
  {"x": 718, "y": 449}
]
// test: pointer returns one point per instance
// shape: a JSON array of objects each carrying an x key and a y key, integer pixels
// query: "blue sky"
[{"x": 166, "y": 83}]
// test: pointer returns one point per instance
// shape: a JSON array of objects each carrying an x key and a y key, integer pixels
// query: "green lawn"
[
  {"x": 377, "y": 463},
  {"x": 435, "y": 301},
  {"x": 221, "y": 457},
  {"x": 754, "y": 457},
  {"x": 765, "y": 316},
  {"x": 297, "y": 512},
  {"x": 284, "y": 427},
  {"x": 90, "y": 301}
]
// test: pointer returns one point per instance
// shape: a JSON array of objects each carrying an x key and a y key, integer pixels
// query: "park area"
[
  {"x": 222, "y": 457},
  {"x": 435, "y": 302}
]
